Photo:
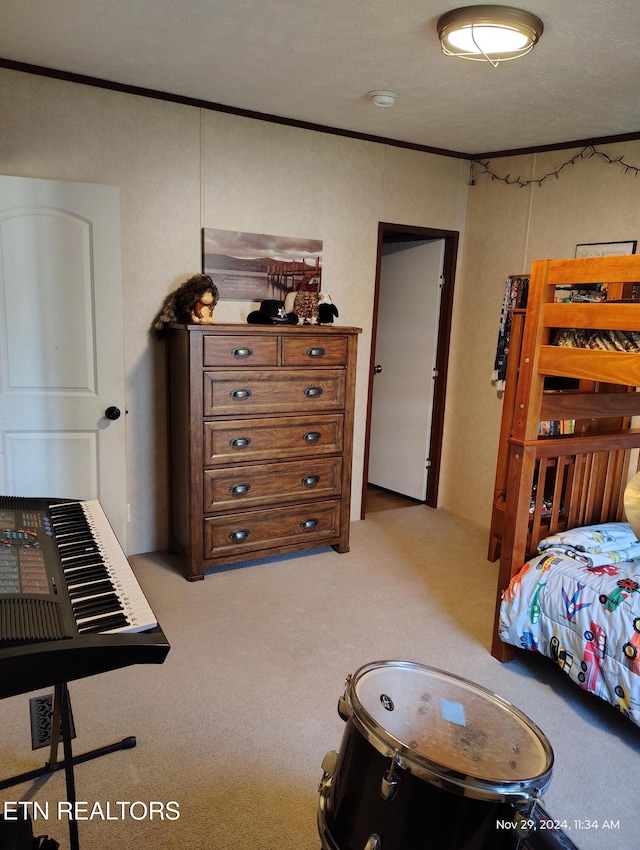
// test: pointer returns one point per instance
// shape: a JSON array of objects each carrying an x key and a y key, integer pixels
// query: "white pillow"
[{"x": 605, "y": 538}]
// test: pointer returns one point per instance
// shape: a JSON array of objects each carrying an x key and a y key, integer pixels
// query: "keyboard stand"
[{"x": 61, "y": 721}]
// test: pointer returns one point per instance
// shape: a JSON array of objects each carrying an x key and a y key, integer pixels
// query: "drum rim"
[{"x": 416, "y": 763}]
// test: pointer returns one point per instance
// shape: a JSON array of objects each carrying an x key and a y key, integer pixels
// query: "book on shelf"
[{"x": 556, "y": 427}]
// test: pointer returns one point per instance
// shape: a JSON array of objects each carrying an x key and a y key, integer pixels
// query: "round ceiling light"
[{"x": 488, "y": 33}]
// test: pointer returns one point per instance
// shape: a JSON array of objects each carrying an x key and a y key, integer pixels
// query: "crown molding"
[{"x": 97, "y": 82}]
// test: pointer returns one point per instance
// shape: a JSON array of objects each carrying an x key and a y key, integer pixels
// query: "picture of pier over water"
[{"x": 256, "y": 266}]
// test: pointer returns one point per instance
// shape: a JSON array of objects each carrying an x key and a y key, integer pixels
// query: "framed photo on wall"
[
  {"x": 606, "y": 249},
  {"x": 257, "y": 266}
]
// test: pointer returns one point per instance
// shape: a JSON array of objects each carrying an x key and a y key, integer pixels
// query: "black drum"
[{"x": 429, "y": 761}]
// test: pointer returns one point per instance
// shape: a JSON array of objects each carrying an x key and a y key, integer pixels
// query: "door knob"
[
  {"x": 112, "y": 413},
  {"x": 377, "y": 369}
]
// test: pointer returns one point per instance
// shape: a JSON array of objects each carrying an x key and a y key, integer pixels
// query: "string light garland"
[{"x": 587, "y": 152}]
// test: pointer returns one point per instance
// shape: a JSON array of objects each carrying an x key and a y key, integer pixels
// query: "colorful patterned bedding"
[{"x": 578, "y": 602}]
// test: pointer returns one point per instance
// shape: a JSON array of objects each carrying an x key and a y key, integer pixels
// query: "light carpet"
[{"x": 233, "y": 727}]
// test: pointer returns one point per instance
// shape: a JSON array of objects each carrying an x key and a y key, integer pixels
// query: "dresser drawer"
[
  {"x": 271, "y": 483},
  {"x": 272, "y": 438},
  {"x": 273, "y": 391},
  {"x": 252, "y": 530},
  {"x": 319, "y": 350},
  {"x": 235, "y": 350}
]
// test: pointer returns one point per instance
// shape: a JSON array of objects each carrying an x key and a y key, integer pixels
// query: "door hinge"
[{"x": 428, "y": 464}]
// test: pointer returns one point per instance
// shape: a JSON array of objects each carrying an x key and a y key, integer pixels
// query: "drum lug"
[
  {"x": 343, "y": 705},
  {"x": 329, "y": 762},
  {"x": 525, "y": 810},
  {"x": 373, "y": 843},
  {"x": 523, "y": 825},
  {"x": 390, "y": 782},
  {"x": 524, "y": 817},
  {"x": 343, "y": 709}
]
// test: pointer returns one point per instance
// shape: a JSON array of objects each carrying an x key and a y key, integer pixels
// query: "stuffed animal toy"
[
  {"x": 326, "y": 309},
  {"x": 305, "y": 304},
  {"x": 202, "y": 311},
  {"x": 192, "y": 302}
]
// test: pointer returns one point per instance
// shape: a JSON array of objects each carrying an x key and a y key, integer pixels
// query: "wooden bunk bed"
[{"x": 546, "y": 486}]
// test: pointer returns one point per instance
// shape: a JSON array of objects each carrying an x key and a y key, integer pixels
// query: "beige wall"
[
  {"x": 179, "y": 169},
  {"x": 507, "y": 228}
]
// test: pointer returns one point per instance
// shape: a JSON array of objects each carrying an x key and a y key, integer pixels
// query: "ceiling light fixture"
[
  {"x": 488, "y": 33},
  {"x": 383, "y": 98}
]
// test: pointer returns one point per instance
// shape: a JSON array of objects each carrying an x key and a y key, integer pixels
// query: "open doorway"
[{"x": 408, "y": 409}]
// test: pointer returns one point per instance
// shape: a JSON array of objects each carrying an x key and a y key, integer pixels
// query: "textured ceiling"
[{"x": 314, "y": 61}]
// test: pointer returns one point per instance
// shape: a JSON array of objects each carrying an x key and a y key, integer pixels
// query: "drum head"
[{"x": 449, "y": 729}]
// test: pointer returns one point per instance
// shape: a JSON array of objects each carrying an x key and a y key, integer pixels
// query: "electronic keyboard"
[{"x": 70, "y": 604}]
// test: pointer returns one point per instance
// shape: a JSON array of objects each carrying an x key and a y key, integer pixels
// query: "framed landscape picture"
[{"x": 256, "y": 266}]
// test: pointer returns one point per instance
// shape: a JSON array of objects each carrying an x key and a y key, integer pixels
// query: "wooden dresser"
[{"x": 261, "y": 435}]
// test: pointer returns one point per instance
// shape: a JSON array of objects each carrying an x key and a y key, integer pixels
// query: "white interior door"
[
  {"x": 61, "y": 344},
  {"x": 406, "y": 344}
]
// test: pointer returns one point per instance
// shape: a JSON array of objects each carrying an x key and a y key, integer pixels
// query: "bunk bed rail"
[{"x": 574, "y": 487}]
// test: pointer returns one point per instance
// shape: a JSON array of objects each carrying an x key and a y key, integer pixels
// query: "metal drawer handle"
[
  {"x": 239, "y": 489},
  {"x": 309, "y": 523},
  {"x": 240, "y": 442},
  {"x": 310, "y": 480},
  {"x": 316, "y": 352},
  {"x": 241, "y": 352},
  {"x": 311, "y": 436},
  {"x": 240, "y": 534},
  {"x": 312, "y": 392},
  {"x": 239, "y": 394}
]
